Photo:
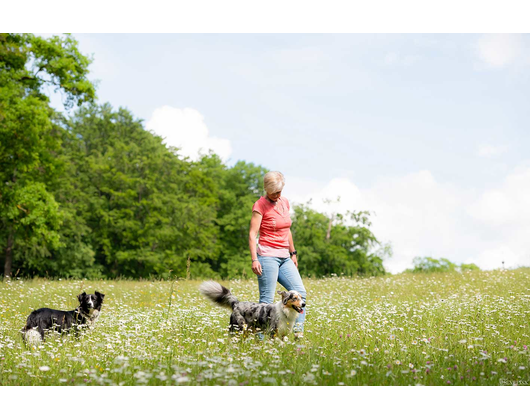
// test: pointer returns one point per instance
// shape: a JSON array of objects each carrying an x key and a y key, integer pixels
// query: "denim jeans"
[{"x": 285, "y": 272}]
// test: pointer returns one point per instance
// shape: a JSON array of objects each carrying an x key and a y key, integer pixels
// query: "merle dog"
[
  {"x": 276, "y": 319},
  {"x": 44, "y": 319}
]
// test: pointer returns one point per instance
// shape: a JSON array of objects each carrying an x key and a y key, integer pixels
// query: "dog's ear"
[
  {"x": 285, "y": 296},
  {"x": 81, "y": 296},
  {"x": 100, "y": 296}
]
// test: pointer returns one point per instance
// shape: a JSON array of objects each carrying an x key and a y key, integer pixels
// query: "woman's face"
[{"x": 275, "y": 195}]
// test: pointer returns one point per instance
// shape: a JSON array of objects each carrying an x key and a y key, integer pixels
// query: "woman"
[{"x": 274, "y": 256}]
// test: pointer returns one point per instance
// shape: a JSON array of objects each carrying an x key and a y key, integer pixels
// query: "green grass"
[{"x": 445, "y": 329}]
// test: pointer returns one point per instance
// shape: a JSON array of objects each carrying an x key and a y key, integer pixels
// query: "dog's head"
[
  {"x": 89, "y": 303},
  {"x": 293, "y": 300}
]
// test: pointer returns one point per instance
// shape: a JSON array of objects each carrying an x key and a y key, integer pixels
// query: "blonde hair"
[{"x": 273, "y": 181}]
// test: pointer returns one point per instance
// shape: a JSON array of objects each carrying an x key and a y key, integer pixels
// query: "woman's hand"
[
  {"x": 255, "y": 223},
  {"x": 295, "y": 260},
  {"x": 256, "y": 267}
]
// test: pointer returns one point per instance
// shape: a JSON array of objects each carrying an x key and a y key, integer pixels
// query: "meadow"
[{"x": 407, "y": 329}]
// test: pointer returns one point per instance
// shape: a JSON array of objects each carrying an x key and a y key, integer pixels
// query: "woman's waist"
[{"x": 273, "y": 251}]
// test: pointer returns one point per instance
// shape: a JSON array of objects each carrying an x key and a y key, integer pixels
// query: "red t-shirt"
[{"x": 275, "y": 223}]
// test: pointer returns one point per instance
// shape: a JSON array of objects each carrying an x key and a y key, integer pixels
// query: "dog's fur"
[
  {"x": 45, "y": 319},
  {"x": 276, "y": 319}
]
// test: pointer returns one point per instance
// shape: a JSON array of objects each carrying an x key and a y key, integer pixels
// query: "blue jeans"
[{"x": 285, "y": 272}]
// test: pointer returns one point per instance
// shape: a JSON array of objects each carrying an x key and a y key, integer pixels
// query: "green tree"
[
  {"x": 133, "y": 207},
  {"x": 29, "y": 216},
  {"x": 241, "y": 186},
  {"x": 432, "y": 265},
  {"x": 469, "y": 267},
  {"x": 343, "y": 247},
  {"x": 442, "y": 265}
]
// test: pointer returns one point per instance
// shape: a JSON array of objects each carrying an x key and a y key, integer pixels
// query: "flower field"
[{"x": 408, "y": 329}]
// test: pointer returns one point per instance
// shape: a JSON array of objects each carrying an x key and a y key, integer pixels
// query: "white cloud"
[
  {"x": 510, "y": 255},
  {"x": 420, "y": 216},
  {"x": 185, "y": 129},
  {"x": 500, "y": 50},
  {"x": 350, "y": 195},
  {"x": 508, "y": 206}
]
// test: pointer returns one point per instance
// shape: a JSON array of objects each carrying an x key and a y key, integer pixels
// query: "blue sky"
[{"x": 428, "y": 131}]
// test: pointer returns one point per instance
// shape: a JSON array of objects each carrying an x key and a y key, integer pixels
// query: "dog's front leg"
[
  {"x": 273, "y": 328},
  {"x": 76, "y": 329},
  {"x": 237, "y": 320}
]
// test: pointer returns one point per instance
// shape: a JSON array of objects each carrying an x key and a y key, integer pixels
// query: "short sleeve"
[{"x": 257, "y": 207}]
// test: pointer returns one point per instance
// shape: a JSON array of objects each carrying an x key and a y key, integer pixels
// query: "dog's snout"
[{"x": 303, "y": 304}]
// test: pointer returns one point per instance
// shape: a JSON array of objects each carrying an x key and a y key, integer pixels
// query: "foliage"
[
  {"x": 129, "y": 206},
  {"x": 29, "y": 139},
  {"x": 346, "y": 252},
  {"x": 469, "y": 267},
  {"x": 443, "y": 265},
  {"x": 143, "y": 210},
  {"x": 241, "y": 187},
  {"x": 97, "y": 195}
]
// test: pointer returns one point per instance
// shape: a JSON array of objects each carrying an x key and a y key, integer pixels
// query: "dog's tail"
[
  {"x": 30, "y": 335},
  {"x": 218, "y": 294}
]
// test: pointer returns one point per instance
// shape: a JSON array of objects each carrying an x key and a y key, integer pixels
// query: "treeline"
[
  {"x": 97, "y": 195},
  {"x": 442, "y": 265}
]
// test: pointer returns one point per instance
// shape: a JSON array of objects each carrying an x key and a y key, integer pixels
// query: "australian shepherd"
[
  {"x": 276, "y": 319},
  {"x": 45, "y": 319}
]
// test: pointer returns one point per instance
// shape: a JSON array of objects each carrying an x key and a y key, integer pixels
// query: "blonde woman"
[{"x": 274, "y": 255}]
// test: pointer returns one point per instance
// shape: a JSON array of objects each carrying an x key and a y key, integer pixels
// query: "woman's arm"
[
  {"x": 255, "y": 223},
  {"x": 292, "y": 248}
]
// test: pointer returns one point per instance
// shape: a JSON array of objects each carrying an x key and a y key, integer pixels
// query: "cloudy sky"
[{"x": 429, "y": 132}]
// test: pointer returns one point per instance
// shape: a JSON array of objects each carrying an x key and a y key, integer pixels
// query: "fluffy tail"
[
  {"x": 31, "y": 337},
  {"x": 218, "y": 294},
  {"x": 31, "y": 333}
]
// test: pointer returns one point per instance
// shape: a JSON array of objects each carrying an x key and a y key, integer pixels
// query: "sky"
[{"x": 429, "y": 132}]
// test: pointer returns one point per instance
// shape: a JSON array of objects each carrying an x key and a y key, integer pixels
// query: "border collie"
[
  {"x": 43, "y": 319},
  {"x": 276, "y": 319}
]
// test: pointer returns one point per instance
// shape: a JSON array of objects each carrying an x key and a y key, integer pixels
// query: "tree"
[
  {"x": 345, "y": 248},
  {"x": 132, "y": 206},
  {"x": 241, "y": 186},
  {"x": 442, "y": 265},
  {"x": 29, "y": 216},
  {"x": 469, "y": 267}
]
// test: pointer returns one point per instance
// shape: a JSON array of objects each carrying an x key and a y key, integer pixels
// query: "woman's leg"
[
  {"x": 269, "y": 277},
  {"x": 267, "y": 281},
  {"x": 289, "y": 277}
]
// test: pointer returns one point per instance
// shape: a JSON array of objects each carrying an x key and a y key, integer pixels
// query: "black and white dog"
[
  {"x": 276, "y": 319},
  {"x": 44, "y": 319}
]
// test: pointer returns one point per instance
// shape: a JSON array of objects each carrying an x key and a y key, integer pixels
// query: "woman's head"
[{"x": 273, "y": 183}]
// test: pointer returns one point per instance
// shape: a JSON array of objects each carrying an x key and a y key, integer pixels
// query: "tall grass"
[{"x": 445, "y": 329}]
